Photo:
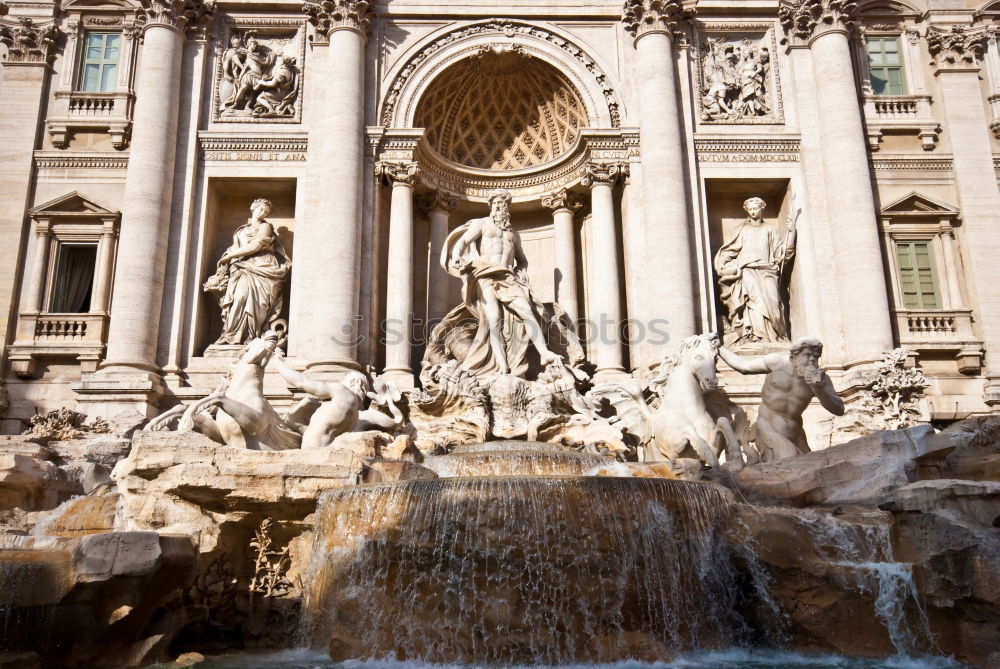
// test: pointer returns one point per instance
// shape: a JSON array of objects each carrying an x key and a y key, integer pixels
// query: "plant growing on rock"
[
  {"x": 894, "y": 390},
  {"x": 270, "y": 564}
]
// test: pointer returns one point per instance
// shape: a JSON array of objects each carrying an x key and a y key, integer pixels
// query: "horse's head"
[{"x": 698, "y": 354}]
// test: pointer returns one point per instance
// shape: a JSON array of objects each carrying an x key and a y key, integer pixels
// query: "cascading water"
[{"x": 541, "y": 570}]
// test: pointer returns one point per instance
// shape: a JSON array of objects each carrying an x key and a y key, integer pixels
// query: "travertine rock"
[
  {"x": 978, "y": 501},
  {"x": 862, "y": 471}
]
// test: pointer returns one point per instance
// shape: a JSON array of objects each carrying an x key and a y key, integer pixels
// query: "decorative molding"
[
  {"x": 740, "y": 150},
  {"x": 329, "y": 16},
  {"x": 764, "y": 33},
  {"x": 804, "y": 19},
  {"x": 184, "y": 15},
  {"x": 28, "y": 42},
  {"x": 912, "y": 163},
  {"x": 669, "y": 17},
  {"x": 403, "y": 172},
  {"x": 561, "y": 199},
  {"x": 961, "y": 47},
  {"x": 269, "y": 148},
  {"x": 603, "y": 173},
  {"x": 88, "y": 161},
  {"x": 436, "y": 200},
  {"x": 508, "y": 30}
]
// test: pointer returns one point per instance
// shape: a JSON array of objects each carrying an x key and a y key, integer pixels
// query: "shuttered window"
[
  {"x": 916, "y": 275},
  {"x": 886, "y": 66}
]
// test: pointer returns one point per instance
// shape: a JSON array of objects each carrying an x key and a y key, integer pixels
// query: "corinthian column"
[
  {"x": 823, "y": 26},
  {"x": 399, "y": 274},
  {"x": 145, "y": 226},
  {"x": 564, "y": 205},
  {"x": 325, "y": 324},
  {"x": 958, "y": 54},
  {"x": 438, "y": 207},
  {"x": 668, "y": 286},
  {"x": 604, "y": 289}
]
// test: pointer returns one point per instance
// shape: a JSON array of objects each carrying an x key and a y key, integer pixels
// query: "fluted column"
[
  {"x": 604, "y": 314},
  {"x": 823, "y": 26},
  {"x": 958, "y": 53},
  {"x": 564, "y": 205},
  {"x": 669, "y": 286},
  {"x": 399, "y": 273},
  {"x": 327, "y": 250},
  {"x": 438, "y": 207},
  {"x": 145, "y": 227}
]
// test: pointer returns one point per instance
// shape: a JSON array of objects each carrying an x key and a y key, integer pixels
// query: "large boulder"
[{"x": 862, "y": 471}]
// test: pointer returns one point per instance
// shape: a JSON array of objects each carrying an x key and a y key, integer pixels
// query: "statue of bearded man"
[{"x": 490, "y": 332}]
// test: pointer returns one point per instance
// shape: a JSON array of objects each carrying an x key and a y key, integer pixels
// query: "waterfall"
[{"x": 509, "y": 570}]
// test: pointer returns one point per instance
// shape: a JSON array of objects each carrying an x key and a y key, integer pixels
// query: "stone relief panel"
[
  {"x": 736, "y": 74},
  {"x": 259, "y": 71}
]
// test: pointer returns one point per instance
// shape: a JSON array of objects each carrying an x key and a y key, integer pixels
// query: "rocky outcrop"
[
  {"x": 103, "y": 600},
  {"x": 862, "y": 471}
]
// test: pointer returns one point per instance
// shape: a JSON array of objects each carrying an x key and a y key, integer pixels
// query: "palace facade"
[{"x": 139, "y": 134}]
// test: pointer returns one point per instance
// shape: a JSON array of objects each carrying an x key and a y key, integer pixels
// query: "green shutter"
[{"x": 916, "y": 275}]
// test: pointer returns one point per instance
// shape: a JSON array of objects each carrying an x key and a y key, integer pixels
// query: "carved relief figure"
[
  {"x": 751, "y": 267},
  {"x": 792, "y": 381},
  {"x": 250, "y": 278},
  {"x": 734, "y": 80},
  {"x": 490, "y": 332},
  {"x": 256, "y": 80}
]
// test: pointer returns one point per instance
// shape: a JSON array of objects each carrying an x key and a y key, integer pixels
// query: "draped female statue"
[{"x": 250, "y": 278}]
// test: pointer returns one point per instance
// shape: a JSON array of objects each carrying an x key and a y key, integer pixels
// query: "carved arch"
[
  {"x": 413, "y": 74},
  {"x": 894, "y": 8}
]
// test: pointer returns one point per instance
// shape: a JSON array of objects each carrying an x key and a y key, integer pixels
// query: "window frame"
[
  {"x": 936, "y": 292},
  {"x": 58, "y": 244},
  {"x": 102, "y": 63},
  {"x": 901, "y": 67}
]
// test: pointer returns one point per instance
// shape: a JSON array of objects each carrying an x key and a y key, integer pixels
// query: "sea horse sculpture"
[{"x": 683, "y": 419}]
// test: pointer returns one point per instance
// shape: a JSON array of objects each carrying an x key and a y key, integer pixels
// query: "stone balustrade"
[
  {"x": 939, "y": 331},
  {"x": 901, "y": 114},
  {"x": 80, "y": 336}
]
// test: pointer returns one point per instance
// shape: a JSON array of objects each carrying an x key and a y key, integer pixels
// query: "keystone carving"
[
  {"x": 28, "y": 42},
  {"x": 666, "y": 16},
  {"x": 184, "y": 15},
  {"x": 331, "y": 15},
  {"x": 958, "y": 47},
  {"x": 803, "y": 18}
]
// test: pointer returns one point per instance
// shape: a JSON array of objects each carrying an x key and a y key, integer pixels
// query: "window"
[
  {"x": 99, "y": 73},
  {"x": 885, "y": 64},
  {"x": 73, "y": 280},
  {"x": 916, "y": 275}
]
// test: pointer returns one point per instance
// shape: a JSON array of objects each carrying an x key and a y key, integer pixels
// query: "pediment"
[
  {"x": 80, "y": 5},
  {"x": 72, "y": 203},
  {"x": 915, "y": 203},
  {"x": 893, "y": 8}
]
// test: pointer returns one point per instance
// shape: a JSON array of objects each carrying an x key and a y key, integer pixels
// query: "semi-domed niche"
[{"x": 501, "y": 110}]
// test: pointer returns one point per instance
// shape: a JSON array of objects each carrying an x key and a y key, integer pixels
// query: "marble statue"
[
  {"x": 256, "y": 80},
  {"x": 683, "y": 420},
  {"x": 751, "y": 267},
  {"x": 243, "y": 416},
  {"x": 792, "y": 381},
  {"x": 341, "y": 406},
  {"x": 490, "y": 332},
  {"x": 250, "y": 279},
  {"x": 734, "y": 80}
]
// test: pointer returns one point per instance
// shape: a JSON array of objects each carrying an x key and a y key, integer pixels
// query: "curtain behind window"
[{"x": 74, "y": 279}]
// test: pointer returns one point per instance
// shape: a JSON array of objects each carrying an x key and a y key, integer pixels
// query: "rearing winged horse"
[{"x": 682, "y": 420}]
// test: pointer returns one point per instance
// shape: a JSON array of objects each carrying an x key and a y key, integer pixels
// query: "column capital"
[
  {"x": 603, "y": 174},
  {"x": 181, "y": 15},
  {"x": 329, "y": 16},
  {"x": 397, "y": 172},
  {"x": 957, "y": 48},
  {"x": 28, "y": 42},
  {"x": 561, "y": 199},
  {"x": 807, "y": 19},
  {"x": 436, "y": 201},
  {"x": 643, "y": 17}
]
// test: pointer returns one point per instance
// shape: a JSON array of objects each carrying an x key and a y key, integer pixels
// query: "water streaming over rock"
[{"x": 541, "y": 570}]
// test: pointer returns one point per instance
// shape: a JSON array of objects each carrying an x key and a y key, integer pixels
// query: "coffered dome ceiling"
[{"x": 501, "y": 111}]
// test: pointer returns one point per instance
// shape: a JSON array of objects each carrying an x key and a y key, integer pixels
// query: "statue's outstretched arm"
[
  {"x": 744, "y": 365},
  {"x": 300, "y": 381}
]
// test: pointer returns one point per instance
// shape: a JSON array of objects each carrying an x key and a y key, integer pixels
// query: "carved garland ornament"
[
  {"x": 28, "y": 42},
  {"x": 509, "y": 29},
  {"x": 331, "y": 15},
  {"x": 664, "y": 16},
  {"x": 958, "y": 47},
  {"x": 801, "y": 18}
]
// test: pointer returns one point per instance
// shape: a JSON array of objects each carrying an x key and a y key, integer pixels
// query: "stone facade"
[{"x": 137, "y": 134}]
